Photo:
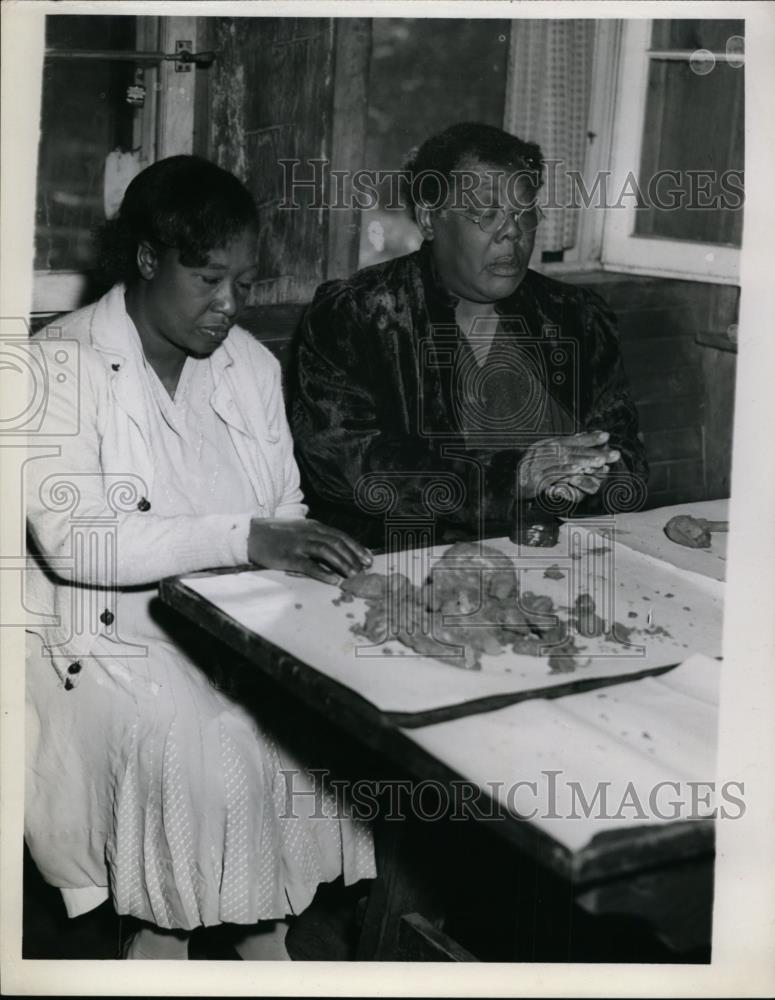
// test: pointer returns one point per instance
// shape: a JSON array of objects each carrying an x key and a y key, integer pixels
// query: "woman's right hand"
[
  {"x": 307, "y": 547},
  {"x": 576, "y": 464}
]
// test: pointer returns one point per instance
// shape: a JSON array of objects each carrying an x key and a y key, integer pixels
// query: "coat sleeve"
[
  {"x": 348, "y": 457},
  {"x": 612, "y": 409},
  {"x": 69, "y": 487}
]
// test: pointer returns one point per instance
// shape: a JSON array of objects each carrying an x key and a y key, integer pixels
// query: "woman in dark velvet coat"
[{"x": 453, "y": 383}]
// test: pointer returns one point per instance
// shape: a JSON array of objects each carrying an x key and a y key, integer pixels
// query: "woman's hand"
[
  {"x": 570, "y": 466},
  {"x": 307, "y": 547}
]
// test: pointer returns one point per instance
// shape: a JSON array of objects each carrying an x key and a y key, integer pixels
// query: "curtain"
[{"x": 547, "y": 101}]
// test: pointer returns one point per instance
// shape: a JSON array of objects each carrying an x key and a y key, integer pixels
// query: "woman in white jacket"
[{"x": 145, "y": 782}]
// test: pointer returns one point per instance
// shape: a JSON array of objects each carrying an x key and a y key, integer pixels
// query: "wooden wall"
[
  {"x": 681, "y": 366},
  {"x": 290, "y": 89},
  {"x": 271, "y": 99}
]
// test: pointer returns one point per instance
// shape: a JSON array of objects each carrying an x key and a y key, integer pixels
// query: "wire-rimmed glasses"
[{"x": 490, "y": 220}]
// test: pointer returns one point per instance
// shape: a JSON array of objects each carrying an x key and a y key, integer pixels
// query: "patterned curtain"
[{"x": 547, "y": 101}]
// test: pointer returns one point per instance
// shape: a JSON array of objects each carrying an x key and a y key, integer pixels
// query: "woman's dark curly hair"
[
  {"x": 428, "y": 172},
  {"x": 184, "y": 202}
]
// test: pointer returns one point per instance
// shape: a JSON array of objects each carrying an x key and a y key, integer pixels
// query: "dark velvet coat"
[{"x": 374, "y": 414}]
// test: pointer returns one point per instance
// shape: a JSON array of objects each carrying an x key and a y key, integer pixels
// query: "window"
[
  {"x": 110, "y": 106},
  {"x": 85, "y": 115},
  {"x": 676, "y": 185},
  {"x": 425, "y": 74}
]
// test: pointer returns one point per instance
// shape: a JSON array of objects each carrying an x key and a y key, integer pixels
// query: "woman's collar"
[{"x": 114, "y": 333}]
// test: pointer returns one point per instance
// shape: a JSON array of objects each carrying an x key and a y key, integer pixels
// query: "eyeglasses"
[{"x": 491, "y": 219}]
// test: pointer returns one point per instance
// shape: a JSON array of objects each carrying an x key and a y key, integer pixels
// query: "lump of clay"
[
  {"x": 565, "y": 659},
  {"x": 470, "y": 606},
  {"x": 690, "y": 531},
  {"x": 377, "y": 586},
  {"x": 588, "y": 623},
  {"x": 367, "y": 585},
  {"x": 466, "y": 575}
]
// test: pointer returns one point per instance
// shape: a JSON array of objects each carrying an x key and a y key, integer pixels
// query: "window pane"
[
  {"x": 425, "y": 75},
  {"x": 84, "y": 116},
  {"x": 693, "y": 123},
  {"x": 694, "y": 34}
]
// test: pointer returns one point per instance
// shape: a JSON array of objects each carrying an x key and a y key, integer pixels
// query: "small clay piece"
[
  {"x": 561, "y": 664},
  {"x": 588, "y": 623},
  {"x": 534, "y": 526},
  {"x": 537, "y": 604},
  {"x": 366, "y": 585},
  {"x": 694, "y": 532},
  {"x": 564, "y": 659},
  {"x": 620, "y": 633}
]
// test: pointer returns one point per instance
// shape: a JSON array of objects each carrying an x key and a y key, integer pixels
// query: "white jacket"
[{"x": 90, "y": 504}]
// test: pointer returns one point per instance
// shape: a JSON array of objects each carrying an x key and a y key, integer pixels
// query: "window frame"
[{"x": 621, "y": 249}]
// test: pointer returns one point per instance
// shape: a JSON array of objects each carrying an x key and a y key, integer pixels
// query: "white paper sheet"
[
  {"x": 645, "y": 532},
  {"x": 675, "y": 613},
  {"x": 628, "y": 737}
]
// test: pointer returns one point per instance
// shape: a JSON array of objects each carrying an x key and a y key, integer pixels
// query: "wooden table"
[{"x": 642, "y": 732}]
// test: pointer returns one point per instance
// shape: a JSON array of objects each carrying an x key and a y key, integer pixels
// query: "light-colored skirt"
[{"x": 148, "y": 782}]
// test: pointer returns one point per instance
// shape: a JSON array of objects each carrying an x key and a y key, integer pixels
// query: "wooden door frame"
[{"x": 352, "y": 53}]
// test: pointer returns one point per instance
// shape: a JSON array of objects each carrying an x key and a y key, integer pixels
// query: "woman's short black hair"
[
  {"x": 429, "y": 170},
  {"x": 185, "y": 202}
]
